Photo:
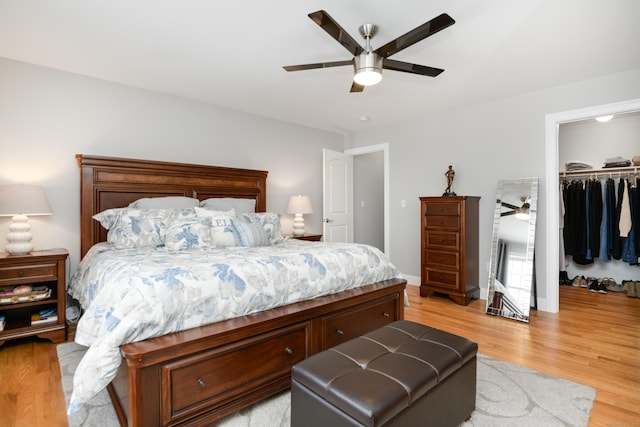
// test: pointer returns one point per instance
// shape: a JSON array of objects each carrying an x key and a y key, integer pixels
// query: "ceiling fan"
[
  {"x": 368, "y": 63},
  {"x": 521, "y": 212}
]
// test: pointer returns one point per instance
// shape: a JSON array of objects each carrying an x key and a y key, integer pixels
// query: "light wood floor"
[{"x": 594, "y": 340}]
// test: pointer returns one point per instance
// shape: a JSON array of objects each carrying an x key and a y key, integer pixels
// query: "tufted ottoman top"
[{"x": 374, "y": 377}]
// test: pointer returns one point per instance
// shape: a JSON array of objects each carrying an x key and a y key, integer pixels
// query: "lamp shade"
[
  {"x": 22, "y": 199},
  {"x": 299, "y": 205}
]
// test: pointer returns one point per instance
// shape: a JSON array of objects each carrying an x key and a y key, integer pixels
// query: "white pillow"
[
  {"x": 169, "y": 202},
  {"x": 228, "y": 203},
  {"x": 222, "y": 231}
]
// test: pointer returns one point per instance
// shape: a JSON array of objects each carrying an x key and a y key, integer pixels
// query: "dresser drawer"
[
  {"x": 447, "y": 279},
  {"x": 442, "y": 208},
  {"x": 442, "y": 240},
  {"x": 451, "y": 222},
  {"x": 42, "y": 272},
  {"x": 192, "y": 384},
  {"x": 441, "y": 259},
  {"x": 347, "y": 324}
]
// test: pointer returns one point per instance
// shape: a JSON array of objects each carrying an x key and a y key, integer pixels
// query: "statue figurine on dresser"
[{"x": 450, "y": 174}]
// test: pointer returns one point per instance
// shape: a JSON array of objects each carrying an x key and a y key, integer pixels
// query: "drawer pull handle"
[
  {"x": 201, "y": 382},
  {"x": 288, "y": 350},
  {"x": 385, "y": 314},
  {"x": 20, "y": 273},
  {"x": 340, "y": 332}
]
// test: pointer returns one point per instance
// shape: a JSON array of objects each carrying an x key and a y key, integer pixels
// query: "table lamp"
[
  {"x": 299, "y": 205},
  {"x": 20, "y": 201}
]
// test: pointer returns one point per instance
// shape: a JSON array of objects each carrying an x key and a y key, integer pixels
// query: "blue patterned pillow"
[
  {"x": 250, "y": 234},
  {"x": 188, "y": 233},
  {"x": 135, "y": 228},
  {"x": 270, "y": 221}
]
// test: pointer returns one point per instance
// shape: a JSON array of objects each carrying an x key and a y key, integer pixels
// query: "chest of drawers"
[{"x": 449, "y": 247}]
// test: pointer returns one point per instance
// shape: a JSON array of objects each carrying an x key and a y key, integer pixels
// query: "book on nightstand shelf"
[
  {"x": 44, "y": 316},
  {"x": 2, "y": 323}
]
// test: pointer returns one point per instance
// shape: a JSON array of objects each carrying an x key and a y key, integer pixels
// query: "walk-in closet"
[{"x": 599, "y": 214}]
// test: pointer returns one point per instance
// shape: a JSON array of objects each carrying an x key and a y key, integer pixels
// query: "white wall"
[
  {"x": 48, "y": 116},
  {"x": 499, "y": 140}
]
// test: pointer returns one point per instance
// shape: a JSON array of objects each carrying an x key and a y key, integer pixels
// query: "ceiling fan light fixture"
[
  {"x": 368, "y": 69},
  {"x": 522, "y": 213}
]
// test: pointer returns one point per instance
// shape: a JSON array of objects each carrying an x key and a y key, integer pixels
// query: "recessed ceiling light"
[
  {"x": 364, "y": 118},
  {"x": 604, "y": 119}
]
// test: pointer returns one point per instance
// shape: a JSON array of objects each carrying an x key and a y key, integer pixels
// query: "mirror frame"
[{"x": 529, "y": 273}]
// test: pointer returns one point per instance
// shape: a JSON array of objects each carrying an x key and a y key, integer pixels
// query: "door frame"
[
  {"x": 552, "y": 122},
  {"x": 384, "y": 148}
]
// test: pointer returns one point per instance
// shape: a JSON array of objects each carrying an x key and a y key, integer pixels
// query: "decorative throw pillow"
[
  {"x": 270, "y": 221},
  {"x": 222, "y": 231},
  {"x": 250, "y": 234},
  {"x": 137, "y": 228},
  {"x": 188, "y": 233}
]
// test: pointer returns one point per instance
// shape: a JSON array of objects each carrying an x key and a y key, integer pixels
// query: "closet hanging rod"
[{"x": 611, "y": 172}]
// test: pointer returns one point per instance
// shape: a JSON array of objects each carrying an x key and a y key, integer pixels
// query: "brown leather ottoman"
[{"x": 403, "y": 374}]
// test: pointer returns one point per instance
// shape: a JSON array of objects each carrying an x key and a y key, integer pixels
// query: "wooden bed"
[{"x": 197, "y": 376}]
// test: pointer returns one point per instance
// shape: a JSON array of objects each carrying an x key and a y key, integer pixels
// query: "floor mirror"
[{"x": 511, "y": 270}]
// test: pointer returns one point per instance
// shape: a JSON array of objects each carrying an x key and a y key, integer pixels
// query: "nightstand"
[
  {"x": 39, "y": 269},
  {"x": 310, "y": 237}
]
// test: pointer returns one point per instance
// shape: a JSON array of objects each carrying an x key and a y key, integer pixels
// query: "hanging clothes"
[
  {"x": 616, "y": 251},
  {"x": 603, "y": 253},
  {"x": 629, "y": 252}
]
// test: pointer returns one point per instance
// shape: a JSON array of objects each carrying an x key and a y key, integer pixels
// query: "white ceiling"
[{"x": 231, "y": 53}]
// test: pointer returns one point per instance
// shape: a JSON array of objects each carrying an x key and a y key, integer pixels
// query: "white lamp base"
[
  {"x": 298, "y": 225},
  {"x": 19, "y": 236}
]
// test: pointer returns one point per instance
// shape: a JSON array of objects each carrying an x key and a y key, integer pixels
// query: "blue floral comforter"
[{"x": 130, "y": 295}]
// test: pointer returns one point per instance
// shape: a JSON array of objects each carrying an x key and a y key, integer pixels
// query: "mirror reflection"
[{"x": 511, "y": 272}]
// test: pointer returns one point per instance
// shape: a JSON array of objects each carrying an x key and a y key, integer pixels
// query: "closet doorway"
[
  {"x": 552, "y": 141},
  {"x": 592, "y": 141}
]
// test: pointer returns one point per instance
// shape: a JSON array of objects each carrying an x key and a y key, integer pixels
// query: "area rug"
[{"x": 507, "y": 395}]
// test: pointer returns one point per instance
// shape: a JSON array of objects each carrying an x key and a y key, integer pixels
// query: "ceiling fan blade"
[
  {"x": 390, "y": 64},
  {"x": 324, "y": 20},
  {"x": 507, "y": 213},
  {"x": 509, "y": 205},
  {"x": 317, "y": 65},
  {"x": 355, "y": 87},
  {"x": 419, "y": 33}
]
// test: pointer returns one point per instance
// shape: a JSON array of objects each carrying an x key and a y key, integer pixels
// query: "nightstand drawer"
[{"x": 28, "y": 273}]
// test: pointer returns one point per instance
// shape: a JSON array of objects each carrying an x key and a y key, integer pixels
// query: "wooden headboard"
[{"x": 108, "y": 182}]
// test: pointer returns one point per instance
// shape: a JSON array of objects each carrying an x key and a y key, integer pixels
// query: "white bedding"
[{"x": 133, "y": 294}]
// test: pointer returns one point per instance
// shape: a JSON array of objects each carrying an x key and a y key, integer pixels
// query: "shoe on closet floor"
[
  {"x": 594, "y": 286},
  {"x": 611, "y": 285},
  {"x": 579, "y": 282},
  {"x": 564, "y": 279},
  {"x": 629, "y": 287},
  {"x": 602, "y": 288}
]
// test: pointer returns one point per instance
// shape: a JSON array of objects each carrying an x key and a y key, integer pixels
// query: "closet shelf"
[{"x": 611, "y": 172}]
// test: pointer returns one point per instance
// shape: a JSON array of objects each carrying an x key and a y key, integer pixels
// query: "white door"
[{"x": 337, "y": 188}]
